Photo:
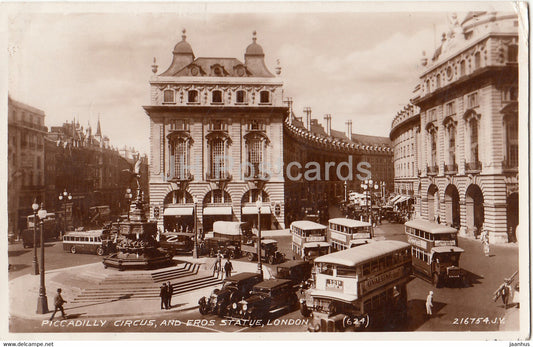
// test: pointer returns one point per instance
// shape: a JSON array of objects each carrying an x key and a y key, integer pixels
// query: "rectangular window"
[
  {"x": 450, "y": 109},
  {"x": 472, "y": 100},
  {"x": 168, "y": 96}
]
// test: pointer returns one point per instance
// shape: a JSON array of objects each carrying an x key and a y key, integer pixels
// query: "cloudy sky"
[{"x": 357, "y": 62}]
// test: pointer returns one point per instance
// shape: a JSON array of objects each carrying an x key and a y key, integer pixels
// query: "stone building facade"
[
  {"x": 468, "y": 144},
  {"x": 216, "y": 140},
  {"x": 324, "y": 164},
  {"x": 25, "y": 159}
]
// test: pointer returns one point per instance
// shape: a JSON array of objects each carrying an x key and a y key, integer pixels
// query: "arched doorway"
[
  {"x": 433, "y": 202},
  {"x": 217, "y": 207},
  {"x": 475, "y": 212},
  {"x": 249, "y": 210},
  {"x": 178, "y": 211},
  {"x": 453, "y": 211},
  {"x": 512, "y": 216}
]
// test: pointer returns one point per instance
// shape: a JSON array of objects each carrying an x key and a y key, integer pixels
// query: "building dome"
[
  {"x": 183, "y": 47},
  {"x": 254, "y": 48}
]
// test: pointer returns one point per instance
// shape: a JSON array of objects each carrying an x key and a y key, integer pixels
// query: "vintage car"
[
  {"x": 298, "y": 271},
  {"x": 268, "y": 298},
  {"x": 229, "y": 248},
  {"x": 177, "y": 242},
  {"x": 234, "y": 289}
]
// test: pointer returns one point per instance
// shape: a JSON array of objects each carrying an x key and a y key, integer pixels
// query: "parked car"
[
  {"x": 268, "y": 298},
  {"x": 234, "y": 289},
  {"x": 297, "y": 271}
]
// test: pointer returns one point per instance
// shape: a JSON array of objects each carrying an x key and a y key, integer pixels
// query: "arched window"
[
  {"x": 477, "y": 60},
  {"x": 179, "y": 158},
  {"x": 241, "y": 97},
  {"x": 255, "y": 148},
  {"x": 217, "y": 158},
  {"x": 450, "y": 135},
  {"x": 474, "y": 139},
  {"x": 264, "y": 97},
  {"x": 192, "y": 96},
  {"x": 511, "y": 143},
  {"x": 168, "y": 96},
  {"x": 216, "y": 96},
  {"x": 512, "y": 53},
  {"x": 438, "y": 81}
]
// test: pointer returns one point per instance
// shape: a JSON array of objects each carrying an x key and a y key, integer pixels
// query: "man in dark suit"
[
  {"x": 169, "y": 297},
  {"x": 58, "y": 303},
  {"x": 163, "y": 293}
]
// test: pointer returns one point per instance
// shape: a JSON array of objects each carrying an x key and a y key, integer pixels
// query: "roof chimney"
[
  {"x": 307, "y": 111},
  {"x": 349, "y": 130},
  {"x": 327, "y": 118}
]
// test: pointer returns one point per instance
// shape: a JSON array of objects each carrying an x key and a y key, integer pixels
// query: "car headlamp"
[
  {"x": 245, "y": 307},
  {"x": 234, "y": 305}
]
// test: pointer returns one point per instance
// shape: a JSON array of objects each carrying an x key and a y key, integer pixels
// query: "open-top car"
[
  {"x": 234, "y": 289},
  {"x": 269, "y": 298}
]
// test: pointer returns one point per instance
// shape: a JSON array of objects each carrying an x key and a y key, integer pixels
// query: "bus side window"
[
  {"x": 374, "y": 266},
  {"x": 388, "y": 261},
  {"x": 366, "y": 269}
]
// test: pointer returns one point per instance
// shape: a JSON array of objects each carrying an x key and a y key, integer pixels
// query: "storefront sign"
[{"x": 381, "y": 279}]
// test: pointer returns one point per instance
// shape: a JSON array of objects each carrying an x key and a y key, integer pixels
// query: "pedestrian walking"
[
  {"x": 429, "y": 304},
  {"x": 58, "y": 303},
  {"x": 219, "y": 264},
  {"x": 228, "y": 267},
  {"x": 485, "y": 242},
  {"x": 163, "y": 293},
  {"x": 169, "y": 295},
  {"x": 215, "y": 268},
  {"x": 506, "y": 292}
]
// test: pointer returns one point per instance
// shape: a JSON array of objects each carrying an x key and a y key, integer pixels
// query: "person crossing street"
[{"x": 58, "y": 303}]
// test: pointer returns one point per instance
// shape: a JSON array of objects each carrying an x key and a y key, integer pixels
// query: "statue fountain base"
[{"x": 137, "y": 246}]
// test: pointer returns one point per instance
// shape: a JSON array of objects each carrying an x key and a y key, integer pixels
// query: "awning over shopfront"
[
  {"x": 218, "y": 211},
  {"x": 396, "y": 198},
  {"x": 178, "y": 211},
  {"x": 402, "y": 199},
  {"x": 253, "y": 210}
]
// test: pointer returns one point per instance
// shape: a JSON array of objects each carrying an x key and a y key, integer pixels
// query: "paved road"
[{"x": 452, "y": 305}]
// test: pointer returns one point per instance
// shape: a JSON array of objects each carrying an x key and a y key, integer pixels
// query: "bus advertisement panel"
[{"x": 359, "y": 287}]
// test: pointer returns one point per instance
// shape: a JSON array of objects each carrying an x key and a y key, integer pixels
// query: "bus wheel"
[
  {"x": 73, "y": 249},
  {"x": 436, "y": 280},
  {"x": 99, "y": 251},
  {"x": 250, "y": 256}
]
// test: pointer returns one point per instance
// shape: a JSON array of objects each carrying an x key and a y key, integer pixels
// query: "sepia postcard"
[{"x": 267, "y": 170}]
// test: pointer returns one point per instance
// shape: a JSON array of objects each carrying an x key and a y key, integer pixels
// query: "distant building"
[
  {"x": 337, "y": 156},
  {"x": 216, "y": 138},
  {"x": 468, "y": 144},
  {"x": 86, "y": 166},
  {"x": 26, "y": 168},
  {"x": 405, "y": 137}
]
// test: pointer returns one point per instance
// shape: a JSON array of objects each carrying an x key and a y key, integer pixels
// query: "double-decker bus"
[
  {"x": 435, "y": 251},
  {"x": 50, "y": 229},
  {"x": 359, "y": 287},
  {"x": 346, "y": 233},
  {"x": 309, "y": 239}
]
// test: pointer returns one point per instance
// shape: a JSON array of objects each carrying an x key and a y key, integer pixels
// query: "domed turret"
[
  {"x": 254, "y": 48},
  {"x": 183, "y": 56},
  {"x": 183, "y": 47},
  {"x": 254, "y": 59}
]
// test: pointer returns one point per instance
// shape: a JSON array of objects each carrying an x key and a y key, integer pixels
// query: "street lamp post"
[
  {"x": 42, "y": 302},
  {"x": 195, "y": 249},
  {"x": 346, "y": 191},
  {"x": 259, "y": 203},
  {"x": 67, "y": 197},
  {"x": 35, "y": 207},
  {"x": 128, "y": 196}
]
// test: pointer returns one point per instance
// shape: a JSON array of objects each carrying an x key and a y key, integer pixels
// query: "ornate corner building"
[
  {"x": 466, "y": 141},
  {"x": 216, "y": 140}
]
